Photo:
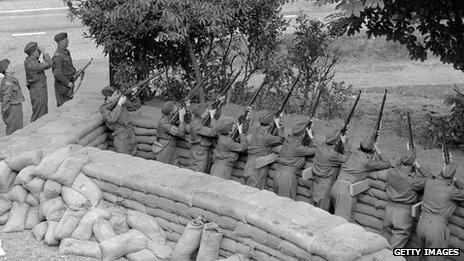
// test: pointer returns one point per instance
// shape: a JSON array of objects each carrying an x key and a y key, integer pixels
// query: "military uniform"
[
  {"x": 63, "y": 70},
  {"x": 226, "y": 151},
  {"x": 200, "y": 138},
  {"x": 357, "y": 168},
  {"x": 260, "y": 144},
  {"x": 291, "y": 158},
  {"x": 167, "y": 134},
  {"x": 36, "y": 81},
  {"x": 118, "y": 120},
  {"x": 438, "y": 204},
  {"x": 327, "y": 165},
  {"x": 11, "y": 98},
  {"x": 403, "y": 187}
]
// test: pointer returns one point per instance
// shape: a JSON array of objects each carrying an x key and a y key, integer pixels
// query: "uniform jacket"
[
  {"x": 262, "y": 141},
  {"x": 227, "y": 149},
  {"x": 10, "y": 92},
  {"x": 293, "y": 152},
  {"x": 35, "y": 71},
  {"x": 327, "y": 162},
  {"x": 63, "y": 68},
  {"x": 403, "y": 185}
]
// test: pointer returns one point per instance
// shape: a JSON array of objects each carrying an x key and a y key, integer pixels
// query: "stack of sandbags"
[
  {"x": 370, "y": 207},
  {"x": 97, "y": 137},
  {"x": 62, "y": 206},
  {"x": 145, "y": 122},
  {"x": 456, "y": 226}
]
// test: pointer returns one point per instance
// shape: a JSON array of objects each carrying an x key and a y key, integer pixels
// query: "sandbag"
[
  {"x": 7, "y": 177},
  {"x": 188, "y": 242},
  {"x": 69, "y": 222},
  {"x": 368, "y": 221},
  {"x": 17, "y": 218},
  {"x": 40, "y": 230},
  {"x": 69, "y": 169},
  {"x": 236, "y": 257},
  {"x": 24, "y": 159},
  {"x": 84, "y": 229},
  {"x": 147, "y": 224},
  {"x": 210, "y": 243},
  {"x": 102, "y": 230},
  {"x": 5, "y": 205},
  {"x": 4, "y": 218},
  {"x": 162, "y": 251},
  {"x": 142, "y": 255},
  {"x": 50, "y": 238},
  {"x": 52, "y": 209},
  {"x": 50, "y": 163},
  {"x": 71, "y": 246},
  {"x": 145, "y": 132},
  {"x": 73, "y": 199},
  {"x": 87, "y": 188},
  {"x": 35, "y": 186},
  {"x": 31, "y": 200},
  {"x": 51, "y": 189},
  {"x": 17, "y": 194},
  {"x": 121, "y": 245},
  {"x": 25, "y": 175},
  {"x": 118, "y": 220},
  {"x": 33, "y": 218}
]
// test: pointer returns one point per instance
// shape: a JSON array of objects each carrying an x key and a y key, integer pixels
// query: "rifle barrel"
[
  {"x": 379, "y": 119},
  {"x": 411, "y": 140},
  {"x": 445, "y": 146},
  {"x": 273, "y": 128},
  {"x": 339, "y": 146}
]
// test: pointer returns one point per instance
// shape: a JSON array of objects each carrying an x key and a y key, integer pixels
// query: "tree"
[
  {"x": 144, "y": 35},
  {"x": 420, "y": 25}
]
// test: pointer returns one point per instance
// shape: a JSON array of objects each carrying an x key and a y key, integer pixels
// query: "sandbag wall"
[
  {"x": 252, "y": 221},
  {"x": 146, "y": 121},
  {"x": 370, "y": 212}
]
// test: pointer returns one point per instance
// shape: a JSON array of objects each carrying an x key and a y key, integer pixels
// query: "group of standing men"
[{"x": 11, "y": 96}]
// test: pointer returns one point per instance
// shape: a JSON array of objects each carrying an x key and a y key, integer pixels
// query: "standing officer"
[
  {"x": 118, "y": 120},
  {"x": 403, "y": 187},
  {"x": 359, "y": 164},
  {"x": 261, "y": 144},
  {"x": 291, "y": 159},
  {"x": 63, "y": 70},
  {"x": 226, "y": 151},
  {"x": 438, "y": 204},
  {"x": 36, "y": 81},
  {"x": 201, "y": 136},
  {"x": 11, "y": 98},
  {"x": 327, "y": 165},
  {"x": 165, "y": 148}
]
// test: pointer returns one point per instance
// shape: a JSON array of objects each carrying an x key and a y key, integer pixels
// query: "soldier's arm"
[
  {"x": 207, "y": 131},
  {"x": 58, "y": 63},
  {"x": 381, "y": 164},
  {"x": 424, "y": 172},
  {"x": 271, "y": 140},
  {"x": 337, "y": 159},
  {"x": 7, "y": 91},
  {"x": 417, "y": 183},
  {"x": 303, "y": 151},
  {"x": 175, "y": 131},
  {"x": 235, "y": 146},
  {"x": 112, "y": 116},
  {"x": 47, "y": 60},
  {"x": 457, "y": 194},
  {"x": 40, "y": 67}
]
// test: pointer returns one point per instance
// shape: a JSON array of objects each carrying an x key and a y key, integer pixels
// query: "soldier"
[
  {"x": 63, "y": 70},
  {"x": 36, "y": 81},
  {"x": 327, "y": 165},
  {"x": 118, "y": 120},
  {"x": 11, "y": 98},
  {"x": 261, "y": 143},
  {"x": 226, "y": 151},
  {"x": 357, "y": 168},
  {"x": 438, "y": 204},
  {"x": 403, "y": 186},
  {"x": 291, "y": 159},
  {"x": 165, "y": 148},
  {"x": 200, "y": 136}
]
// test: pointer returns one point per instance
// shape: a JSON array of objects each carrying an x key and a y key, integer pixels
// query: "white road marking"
[
  {"x": 290, "y": 16},
  {"x": 32, "y": 10},
  {"x": 26, "y": 34}
]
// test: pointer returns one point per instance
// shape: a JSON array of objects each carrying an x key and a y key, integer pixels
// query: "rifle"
[
  {"x": 80, "y": 74},
  {"x": 221, "y": 96},
  {"x": 132, "y": 92},
  {"x": 175, "y": 118},
  {"x": 273, "y": 129},
  {"x": 339, "y": 146},
  {"x": 445, "y": 146},
  {"x": 235, "y": 135},
  {"x": 306, "y": 139},
  {"x": 411, "y": 141},
  {"x": 379, "y": 119}
]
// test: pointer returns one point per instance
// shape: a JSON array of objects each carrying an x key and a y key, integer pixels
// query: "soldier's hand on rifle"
[
  {"x": 70, "y": 84},
  {"x": 212, "y": 113},
  {"x": 376, "y": 148},
  {"x": 41, "y": 50},
  {"x": 240, "y": 128},
  {"x": 277, "y": 122},
  {"x": 407, "y": 146},
  {"x": 181, "y": 113},
  {"x": 343, "y": 139},
  {"x": 122, "y": 100},
  {"x": 310, "y": 133},
  {"x": 416, "y": 164}
]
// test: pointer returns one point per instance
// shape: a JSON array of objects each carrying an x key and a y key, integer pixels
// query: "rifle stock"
[
  {"x": 445, "y": 146},
  {"x": 235, "y": 135},
  {"x": 379, "y": 119},
  {"x": 306, "y": 140},
  {"x": 411, "y": 140},
  {"x": 273, "y": 129},
  {"x": 79, "y": 72},
  {"x": 339, "y": 146}
]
